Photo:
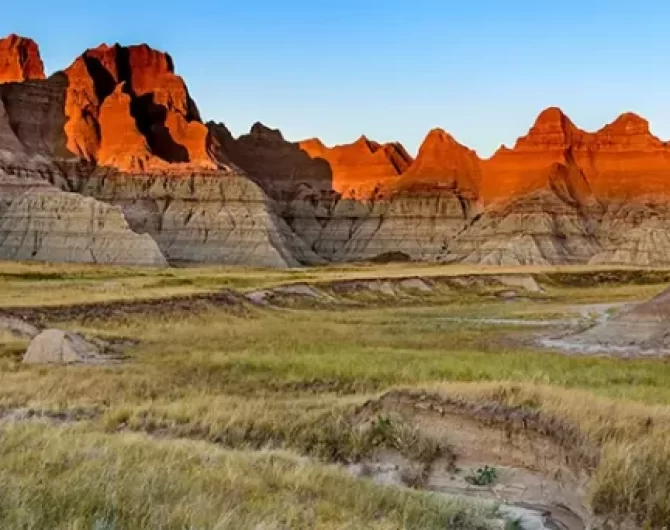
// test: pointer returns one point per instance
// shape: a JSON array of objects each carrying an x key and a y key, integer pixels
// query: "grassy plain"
[{"x": 233, "y": 419}]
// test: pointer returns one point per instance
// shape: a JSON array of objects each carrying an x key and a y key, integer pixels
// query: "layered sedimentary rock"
[
  {"x": 118, "y": 132},
  {"x": 20, "y": 60},
  {"x": 416, "y": 226},
  {"x": 202, "y": 218},
  {"x": 635, "y": 233},
  {"x": 541, "y": 160},
  {"x": 40, "y": 222},
  {"x": 119, "y": 127},
  {"x": 362, "y": 168},
  {"x": 32, "y": 118},
  {"x": 443, "y": 164}
]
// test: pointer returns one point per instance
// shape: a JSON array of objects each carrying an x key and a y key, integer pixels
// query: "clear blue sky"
[{"x": 390, "y": 69}]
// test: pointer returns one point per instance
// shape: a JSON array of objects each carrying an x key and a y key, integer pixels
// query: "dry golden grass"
[
  {"x": 289, "y": 380},
  {"x": 73, "y": 478},
  {"x": 42, "y": 284}
]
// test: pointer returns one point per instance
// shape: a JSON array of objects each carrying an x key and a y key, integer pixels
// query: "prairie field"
[{"x": 292, "y": 411}]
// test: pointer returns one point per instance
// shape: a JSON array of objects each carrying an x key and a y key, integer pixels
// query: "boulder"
[
  {"x": 54, "y": 346},
  {"x": 523, "y": 281}
]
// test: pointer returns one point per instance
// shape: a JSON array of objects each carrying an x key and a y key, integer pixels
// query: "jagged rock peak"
[
  {"x": 627, "y": 123},
  {"x": 260, "y": 130},
  {"x": 552, "y": 130},
  {"x": 442, "y": 161},
  {"x": 158, "y": 107},
  {"x": 361, "y": 167},
  {"x": 365, "y": 144},
  {"x": 312, "y": 145},
  {"x": 439, "y": 136},
  {"x": 20, "y": 60}
]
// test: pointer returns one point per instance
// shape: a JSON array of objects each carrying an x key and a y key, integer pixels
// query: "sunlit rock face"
[
  {"x": 127, "y": 108},
  {"x": 20, "y": 60},
  {"x": 361, "y": 168}
]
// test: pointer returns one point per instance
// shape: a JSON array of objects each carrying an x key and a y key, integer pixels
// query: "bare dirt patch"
[{"x": 538, "y": 467}]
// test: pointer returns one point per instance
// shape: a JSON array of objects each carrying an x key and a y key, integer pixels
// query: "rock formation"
[
  {"x": 54, "y": 346},
  {"x": 119, "y": 127},
  {"x": 362, "y": 168},
  {"x": 200, "y": 218},
  {"x": 40, "y": 222},
  {"x": 278, "y": 166},
  {"x": 110, "y": 161},
  {"x": 20, "y": 60},
  {"x": 146, "y": 99},
  {"x": 443, "y": 163}
]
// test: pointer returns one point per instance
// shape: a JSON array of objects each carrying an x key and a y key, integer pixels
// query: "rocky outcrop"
[
  {"x": 140, "y": 83},
  {"x": 541, "y": 160},
  {"x": 113, "y": 127},
  {"x": 540, "y": 229},
  {"x": 54, "y": 346},
  {"x": 40, "y": 222},
  {"x": 202, "y": 218},
  {"x": 362, "y": 168},
  {"x": 278, "y": 166},
  {"x": 443, "y": 164},
  {"x": 20, "y": 60},
  {"x": 32, "y": 117},
  {"x": 635, "y": 233}
]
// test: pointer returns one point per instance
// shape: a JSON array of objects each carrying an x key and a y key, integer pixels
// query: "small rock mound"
[{"x": 55, "y": 346}]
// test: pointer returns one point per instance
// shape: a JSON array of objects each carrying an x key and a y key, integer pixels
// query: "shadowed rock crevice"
[
  {"x": 103, "y": 81},
  {"x": 151, "y": 121}
]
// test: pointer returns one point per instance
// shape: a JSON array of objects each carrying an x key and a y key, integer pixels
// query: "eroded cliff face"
[
  {"x": 223, "y": 218},
  {"x": 41, "y": 222},
  {"x": 127, "y": 108},
  {"x": 112, "y": 154},
  {"x": 20, "y": 60},
  {"x": 278, "y": 166},
  {"x": 109, "y": 162},
  {"x": 612, "y": 186},
  {"x": 360, "y": 169}
]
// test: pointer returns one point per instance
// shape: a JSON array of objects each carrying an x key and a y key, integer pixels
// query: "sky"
[{"x": 391, "y": 69}]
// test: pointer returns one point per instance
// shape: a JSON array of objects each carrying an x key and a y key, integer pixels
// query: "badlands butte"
[{"x": 110, "y": 161}]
